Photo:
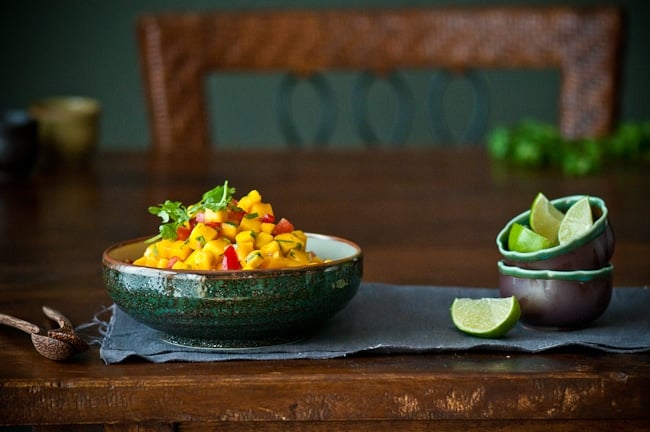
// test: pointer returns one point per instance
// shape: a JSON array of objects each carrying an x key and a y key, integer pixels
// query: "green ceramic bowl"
[
  {"x": 592, "y": 251},
  {"x": 235, "y": 309},
  {"x": 558, "y": 299}
]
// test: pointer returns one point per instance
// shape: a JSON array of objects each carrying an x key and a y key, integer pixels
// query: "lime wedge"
[
  {"x": 524, "y": 239},
  {"x": 577, "y": 221},
  {"x": 545, "y": 219},
  {"x": 485, "y": 317}
]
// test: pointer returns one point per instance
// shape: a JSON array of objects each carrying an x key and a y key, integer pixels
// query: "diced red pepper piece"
[
  {"x": 268, "y": 218},
  {"x": 172, "y": 261},
  {"x": 183, "y": 232},
  {"x": 230, "y": 259},
  {"x": 235, "y": 216},
  {"x": 282, "y": 227}
]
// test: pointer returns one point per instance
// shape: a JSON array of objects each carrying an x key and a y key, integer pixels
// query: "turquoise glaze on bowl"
[
  {"x": 592, "y": 251},
  {"x": 558, "y": 299},
  {"x": 235, "y": 309}
]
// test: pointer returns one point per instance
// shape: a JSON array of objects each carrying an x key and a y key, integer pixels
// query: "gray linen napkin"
[{"x": 398, "y": 319}]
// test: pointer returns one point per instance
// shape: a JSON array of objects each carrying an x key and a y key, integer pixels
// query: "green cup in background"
[{"x": 68, "y": 128}]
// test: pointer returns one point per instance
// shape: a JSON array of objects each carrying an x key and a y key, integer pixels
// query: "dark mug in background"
[{"x": 19, "y": 142}]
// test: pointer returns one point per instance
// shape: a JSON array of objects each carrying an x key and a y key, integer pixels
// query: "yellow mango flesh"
[{"x": 256, "y": 243}]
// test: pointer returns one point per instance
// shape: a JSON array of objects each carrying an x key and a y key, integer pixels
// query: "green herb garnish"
[
  {"x": 532, "y": 144},
  {"x": 215, "y": 199},
  {"x": 174, "y": 214}
]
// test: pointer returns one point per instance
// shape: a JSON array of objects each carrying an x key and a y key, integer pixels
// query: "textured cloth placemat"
[{"x": 398, "y": 319}]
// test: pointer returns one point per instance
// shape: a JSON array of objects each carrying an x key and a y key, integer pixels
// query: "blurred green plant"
[{"x": 531, "y": 144}]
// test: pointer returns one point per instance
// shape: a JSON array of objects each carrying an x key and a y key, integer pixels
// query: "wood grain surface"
[{"x": 421, "y": 216}]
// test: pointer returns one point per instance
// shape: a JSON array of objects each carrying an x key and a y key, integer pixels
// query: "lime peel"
[
  {"x": 524, "y": 239},
  {"x": 485, "y": 317}
]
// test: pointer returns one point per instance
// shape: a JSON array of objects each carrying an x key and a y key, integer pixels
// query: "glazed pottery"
[
  {"x": 557, "y": 299},
  {"x": 235, "y": 309},
  {"x": 592, "y": 251}
]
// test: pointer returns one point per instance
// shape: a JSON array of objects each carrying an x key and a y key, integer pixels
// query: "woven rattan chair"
[{"x": 178, "y": 51}]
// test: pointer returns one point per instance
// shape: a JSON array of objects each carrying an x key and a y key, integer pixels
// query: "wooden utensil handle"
[
  {"x": 23, "y": 325},
  {"x": 57, "y": 316}
]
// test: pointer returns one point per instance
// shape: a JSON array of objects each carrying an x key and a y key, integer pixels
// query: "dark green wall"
[{"x": 87, "y": 47}]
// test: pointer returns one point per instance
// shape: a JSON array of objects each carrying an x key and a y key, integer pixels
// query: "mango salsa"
[{"x": 223, "y": 233}]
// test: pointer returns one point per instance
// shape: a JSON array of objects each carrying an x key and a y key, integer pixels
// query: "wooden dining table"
[{"x": 423, "y": 216}]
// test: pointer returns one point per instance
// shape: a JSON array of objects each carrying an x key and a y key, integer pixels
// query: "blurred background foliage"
[{"x": 531, "y": 144}]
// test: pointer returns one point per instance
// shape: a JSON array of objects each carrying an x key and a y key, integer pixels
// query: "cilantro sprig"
[
  {"x": 217, "y": 198},
  {"x": 175, "y": 214}
]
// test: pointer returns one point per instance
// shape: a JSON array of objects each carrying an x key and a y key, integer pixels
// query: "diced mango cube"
[
  {"x": 151, "y": 251},
  {"x": 200, "y": 235},
  {"x": 299, "y": 256},
  {"x": 245, "y": 236},
  {"x": 262, "y": 208},
  {"x": 301, "y": 236},
  {"x": 267, "y": 227},
  {"x": 289, "y": 241},
  {"x": 163, "y": 248},
  {"x": 217, "y": 246},
  {"x": 180, "y": 249},
  {"x": 250, "y": 224},
  {"x": 274, "y": 261},
  {"x": 246, "y": 202},
  {"x": 146, "y": 261},
  {"x": 180, "y": 265},
  {"x": 253, "y": 260},
  {"x": 243, "y": 249},
  {"x": 162, "y": 263},
  {"x": 262, "y": 238},
  {"x": 218, "y": 216},
  {"x": 142, "y": 261},
  {"x": 229, "y": 230},
  {"x": 201, "y": 260},
  {"x": 270, "y": 248}
]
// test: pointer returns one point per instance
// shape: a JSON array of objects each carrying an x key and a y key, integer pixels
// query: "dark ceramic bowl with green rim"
[
  {"x": 592, "y": 251},
  {"x": 235, "y": 309},
  {"x": 557, "y": 299}
]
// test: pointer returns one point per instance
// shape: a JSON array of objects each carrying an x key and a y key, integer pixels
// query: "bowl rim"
[
  {"x": 568, "y": 275},
  {"x": 598, "y": 227},
  {"x": 110, "y": 262}
]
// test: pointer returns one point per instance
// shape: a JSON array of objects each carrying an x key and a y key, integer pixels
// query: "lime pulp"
[{"x": 485, "y": 317}]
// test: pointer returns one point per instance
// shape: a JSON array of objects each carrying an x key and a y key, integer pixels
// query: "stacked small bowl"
[{"x": 566, "y": 286}]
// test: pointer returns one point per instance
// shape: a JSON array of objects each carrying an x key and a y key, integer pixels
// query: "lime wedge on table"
[
  {"x": 545, "y": 219},
  {"x": 485, "y": 317},
  {"x": 523, "y": 239},
  {"x": 577, "y": 221}
]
